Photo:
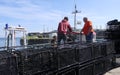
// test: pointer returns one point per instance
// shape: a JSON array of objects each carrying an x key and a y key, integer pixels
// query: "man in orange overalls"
[{"x": 87, "y": 30}]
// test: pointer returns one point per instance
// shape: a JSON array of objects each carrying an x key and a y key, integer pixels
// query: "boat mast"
[{"x": 75, "y": 13}]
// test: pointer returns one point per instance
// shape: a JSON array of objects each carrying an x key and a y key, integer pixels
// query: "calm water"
[{"x": 2, "y": 42}]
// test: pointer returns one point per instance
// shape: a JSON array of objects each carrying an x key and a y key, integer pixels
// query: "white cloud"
[
  {"x": 30, "y": 15},
  {"x": 25, "y": 10}
]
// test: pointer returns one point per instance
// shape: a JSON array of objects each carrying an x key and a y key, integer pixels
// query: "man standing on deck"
[
  {"x": 88, "y": 30},
  {"x": 63, "y": 28}
]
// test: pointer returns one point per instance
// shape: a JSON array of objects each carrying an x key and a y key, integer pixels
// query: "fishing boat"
[
  {"x": 76, "y": 58},
  {"x": 38, "y": 38}
]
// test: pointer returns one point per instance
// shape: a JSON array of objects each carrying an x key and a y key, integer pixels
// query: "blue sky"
[{"x": 44, "y": 15}]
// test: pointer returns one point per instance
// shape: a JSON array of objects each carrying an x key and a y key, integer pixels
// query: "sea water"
[{"x": 2, "y": 41}]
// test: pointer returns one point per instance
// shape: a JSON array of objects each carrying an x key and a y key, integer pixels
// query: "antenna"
[{"x": 75, "y": 13}]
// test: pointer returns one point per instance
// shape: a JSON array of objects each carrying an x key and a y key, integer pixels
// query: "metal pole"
[
  {"x": 6, "y": 38},
  {"x": 6, "y": 34},
  {"x": 75, "y": 14},
  {"x": 24, "y": 38},
  {"x": 13, "y": 38},
  {"x": 75, "y": 18}
]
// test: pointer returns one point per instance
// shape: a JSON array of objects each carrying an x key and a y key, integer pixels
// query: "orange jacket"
[{"x": 86, "y": 29}]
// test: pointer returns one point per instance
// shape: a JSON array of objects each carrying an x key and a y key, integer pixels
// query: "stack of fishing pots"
[{"x": 113, "y": 33}]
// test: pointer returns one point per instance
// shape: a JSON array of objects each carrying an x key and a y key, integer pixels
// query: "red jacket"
[{"x": 64, "y": 27}]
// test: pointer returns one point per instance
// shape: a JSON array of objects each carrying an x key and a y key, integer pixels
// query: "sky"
[{"x": 44, "y": 15}]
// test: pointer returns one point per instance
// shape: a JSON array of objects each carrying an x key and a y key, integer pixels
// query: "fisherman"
[
  {"x": 87, "y": 30},
  {"x": 53, "y": 41},
  {"x": 63, "y": 28}
]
